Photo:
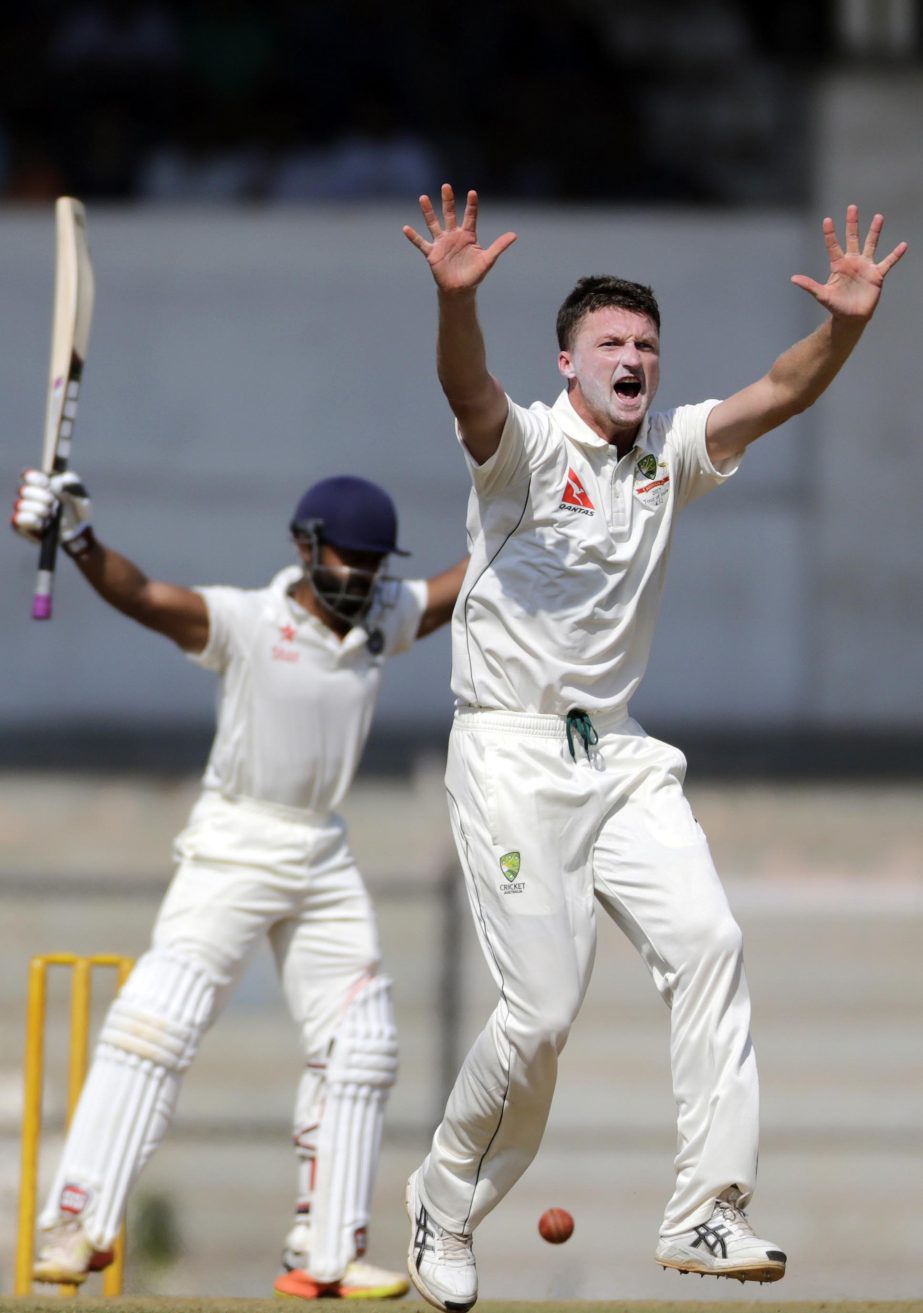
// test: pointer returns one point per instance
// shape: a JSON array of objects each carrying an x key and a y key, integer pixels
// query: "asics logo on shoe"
[
  {"x": 440, "y": 1262},
  {"x": 714, "y": 1238},
  {"x": 423, "y": 1236}
]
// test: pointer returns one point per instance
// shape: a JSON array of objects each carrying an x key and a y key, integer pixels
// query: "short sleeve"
[
  {"x": 686, "y": 438},
  {"x": 226, "y": 611},
  {"x": 524, "y": 441}
]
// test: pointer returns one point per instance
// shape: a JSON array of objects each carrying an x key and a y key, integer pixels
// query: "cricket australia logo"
[
  {"x": 575, "y": 496},
  {"x": 652, "y": 481},
  {"x": 510, "y": 864},
  {"x": 647, "y": 465}
]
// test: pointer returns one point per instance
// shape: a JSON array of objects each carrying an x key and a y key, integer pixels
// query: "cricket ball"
[{"x": 555, "y": 1225}]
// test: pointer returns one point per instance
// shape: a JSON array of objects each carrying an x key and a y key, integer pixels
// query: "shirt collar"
[
  {"x": 283, "y": 582},
  {"x": 578, "y": 430}
]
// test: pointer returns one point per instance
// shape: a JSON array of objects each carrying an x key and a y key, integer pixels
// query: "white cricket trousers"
[
  {"x": 247, "y": 872},
  {"x": 542, "y": 839}
]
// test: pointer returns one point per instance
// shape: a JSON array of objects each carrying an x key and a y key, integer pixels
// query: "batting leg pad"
[
  {"x": 149, "y": 1037},
  {"x": 162, "y": 1012},
  {"x": 309, "y": 1107},
  {"x": 361, "y": 1068}
]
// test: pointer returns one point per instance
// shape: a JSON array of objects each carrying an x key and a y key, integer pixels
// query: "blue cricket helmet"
[{"x": 351, "y": 513}]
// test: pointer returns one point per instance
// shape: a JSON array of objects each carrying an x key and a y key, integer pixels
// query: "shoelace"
[
  {"x": 579, "y": 723},
  {"x": 453, "y": 1248},
  {"x": 734, "y": 1215}
]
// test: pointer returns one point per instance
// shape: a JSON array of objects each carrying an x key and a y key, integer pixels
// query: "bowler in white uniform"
[
  {"x": 264, "y": 855},
  {"x": 559, "y": 801}
]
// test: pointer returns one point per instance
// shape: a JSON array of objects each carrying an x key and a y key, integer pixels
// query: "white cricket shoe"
[
  {"x": 67, "y": 1255},
  {"x": 724, "y": 1246},
  {"x": 359, "y": 1281},
  {"x": 296, "y": 1248},
  {"x": 440, "y": 1263}
]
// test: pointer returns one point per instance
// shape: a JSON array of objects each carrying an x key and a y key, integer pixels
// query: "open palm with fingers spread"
[
  {"x": 855, "y": 281},
  {"x": 456, "y": 260}
]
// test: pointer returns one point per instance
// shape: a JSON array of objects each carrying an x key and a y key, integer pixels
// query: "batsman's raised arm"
[
  {"x": 178, "y": 613},
  {"x": 458, "y": 265},
  {"x": 803, "y": 372}
]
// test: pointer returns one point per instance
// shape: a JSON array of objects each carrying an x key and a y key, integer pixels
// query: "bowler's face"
[{"x": 613, "y": 370}]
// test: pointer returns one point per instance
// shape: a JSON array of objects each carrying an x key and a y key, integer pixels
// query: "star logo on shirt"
[{"x": 287, "y": 632}]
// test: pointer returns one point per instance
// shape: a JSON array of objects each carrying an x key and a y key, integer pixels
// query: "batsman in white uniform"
[
  {"x": 264, "y": 854},
  {"x": 559, "y": 801}
]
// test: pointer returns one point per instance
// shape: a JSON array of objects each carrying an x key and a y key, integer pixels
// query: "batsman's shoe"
[
  {"x": 360, "y": 1281},
  {"x": 440, "y": 1263},
  {"x": 724, "y": 1246},
  {"x": 66, "y": 1255}
]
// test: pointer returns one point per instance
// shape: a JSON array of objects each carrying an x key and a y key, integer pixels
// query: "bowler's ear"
[{"x": 565, "y": 365}]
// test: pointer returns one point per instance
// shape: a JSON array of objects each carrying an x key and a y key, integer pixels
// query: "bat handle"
[{"x": 41, "y": 598}]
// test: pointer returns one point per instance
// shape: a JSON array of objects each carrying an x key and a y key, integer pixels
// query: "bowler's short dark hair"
[{"x": 596, "y": 292}]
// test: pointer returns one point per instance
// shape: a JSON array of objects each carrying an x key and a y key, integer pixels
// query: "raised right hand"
[
  {"x": 37, "y": 501},
  {"x": 456, "y": 261}
]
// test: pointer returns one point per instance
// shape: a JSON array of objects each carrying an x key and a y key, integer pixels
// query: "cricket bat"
[{"x": 70, "y": 337}]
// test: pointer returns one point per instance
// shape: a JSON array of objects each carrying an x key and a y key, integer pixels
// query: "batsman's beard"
[{"x": 344, "y": 591}]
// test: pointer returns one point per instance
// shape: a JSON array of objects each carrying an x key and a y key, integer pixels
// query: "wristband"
[{"x": 81, "y": 543}]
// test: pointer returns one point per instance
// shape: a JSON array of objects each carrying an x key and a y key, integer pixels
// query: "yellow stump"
[{"x": 82, "y": 969}]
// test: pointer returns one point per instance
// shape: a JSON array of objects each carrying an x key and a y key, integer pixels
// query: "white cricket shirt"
[
  {"x": 295, "y": 702},
  {"x": 568, "y": 550}
]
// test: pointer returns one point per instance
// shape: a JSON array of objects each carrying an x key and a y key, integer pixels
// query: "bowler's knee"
[
  {"x": 712, "y": 941},
  {"x": 543, "y": 1032}
]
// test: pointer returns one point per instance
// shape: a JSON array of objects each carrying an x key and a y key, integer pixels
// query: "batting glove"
[{"x": 38, "y": 500}]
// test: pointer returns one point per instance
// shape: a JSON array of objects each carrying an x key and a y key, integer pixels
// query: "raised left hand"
[{"x": 854, "y": 285}]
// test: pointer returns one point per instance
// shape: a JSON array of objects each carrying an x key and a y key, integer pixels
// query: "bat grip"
[{"x": 41, "y": 598}]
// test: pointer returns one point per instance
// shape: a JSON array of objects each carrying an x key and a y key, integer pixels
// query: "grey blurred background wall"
[{"x": 239, "y": 352}]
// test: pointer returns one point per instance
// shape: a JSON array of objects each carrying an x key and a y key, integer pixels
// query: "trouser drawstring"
[{"x": 579, "y": 723}]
